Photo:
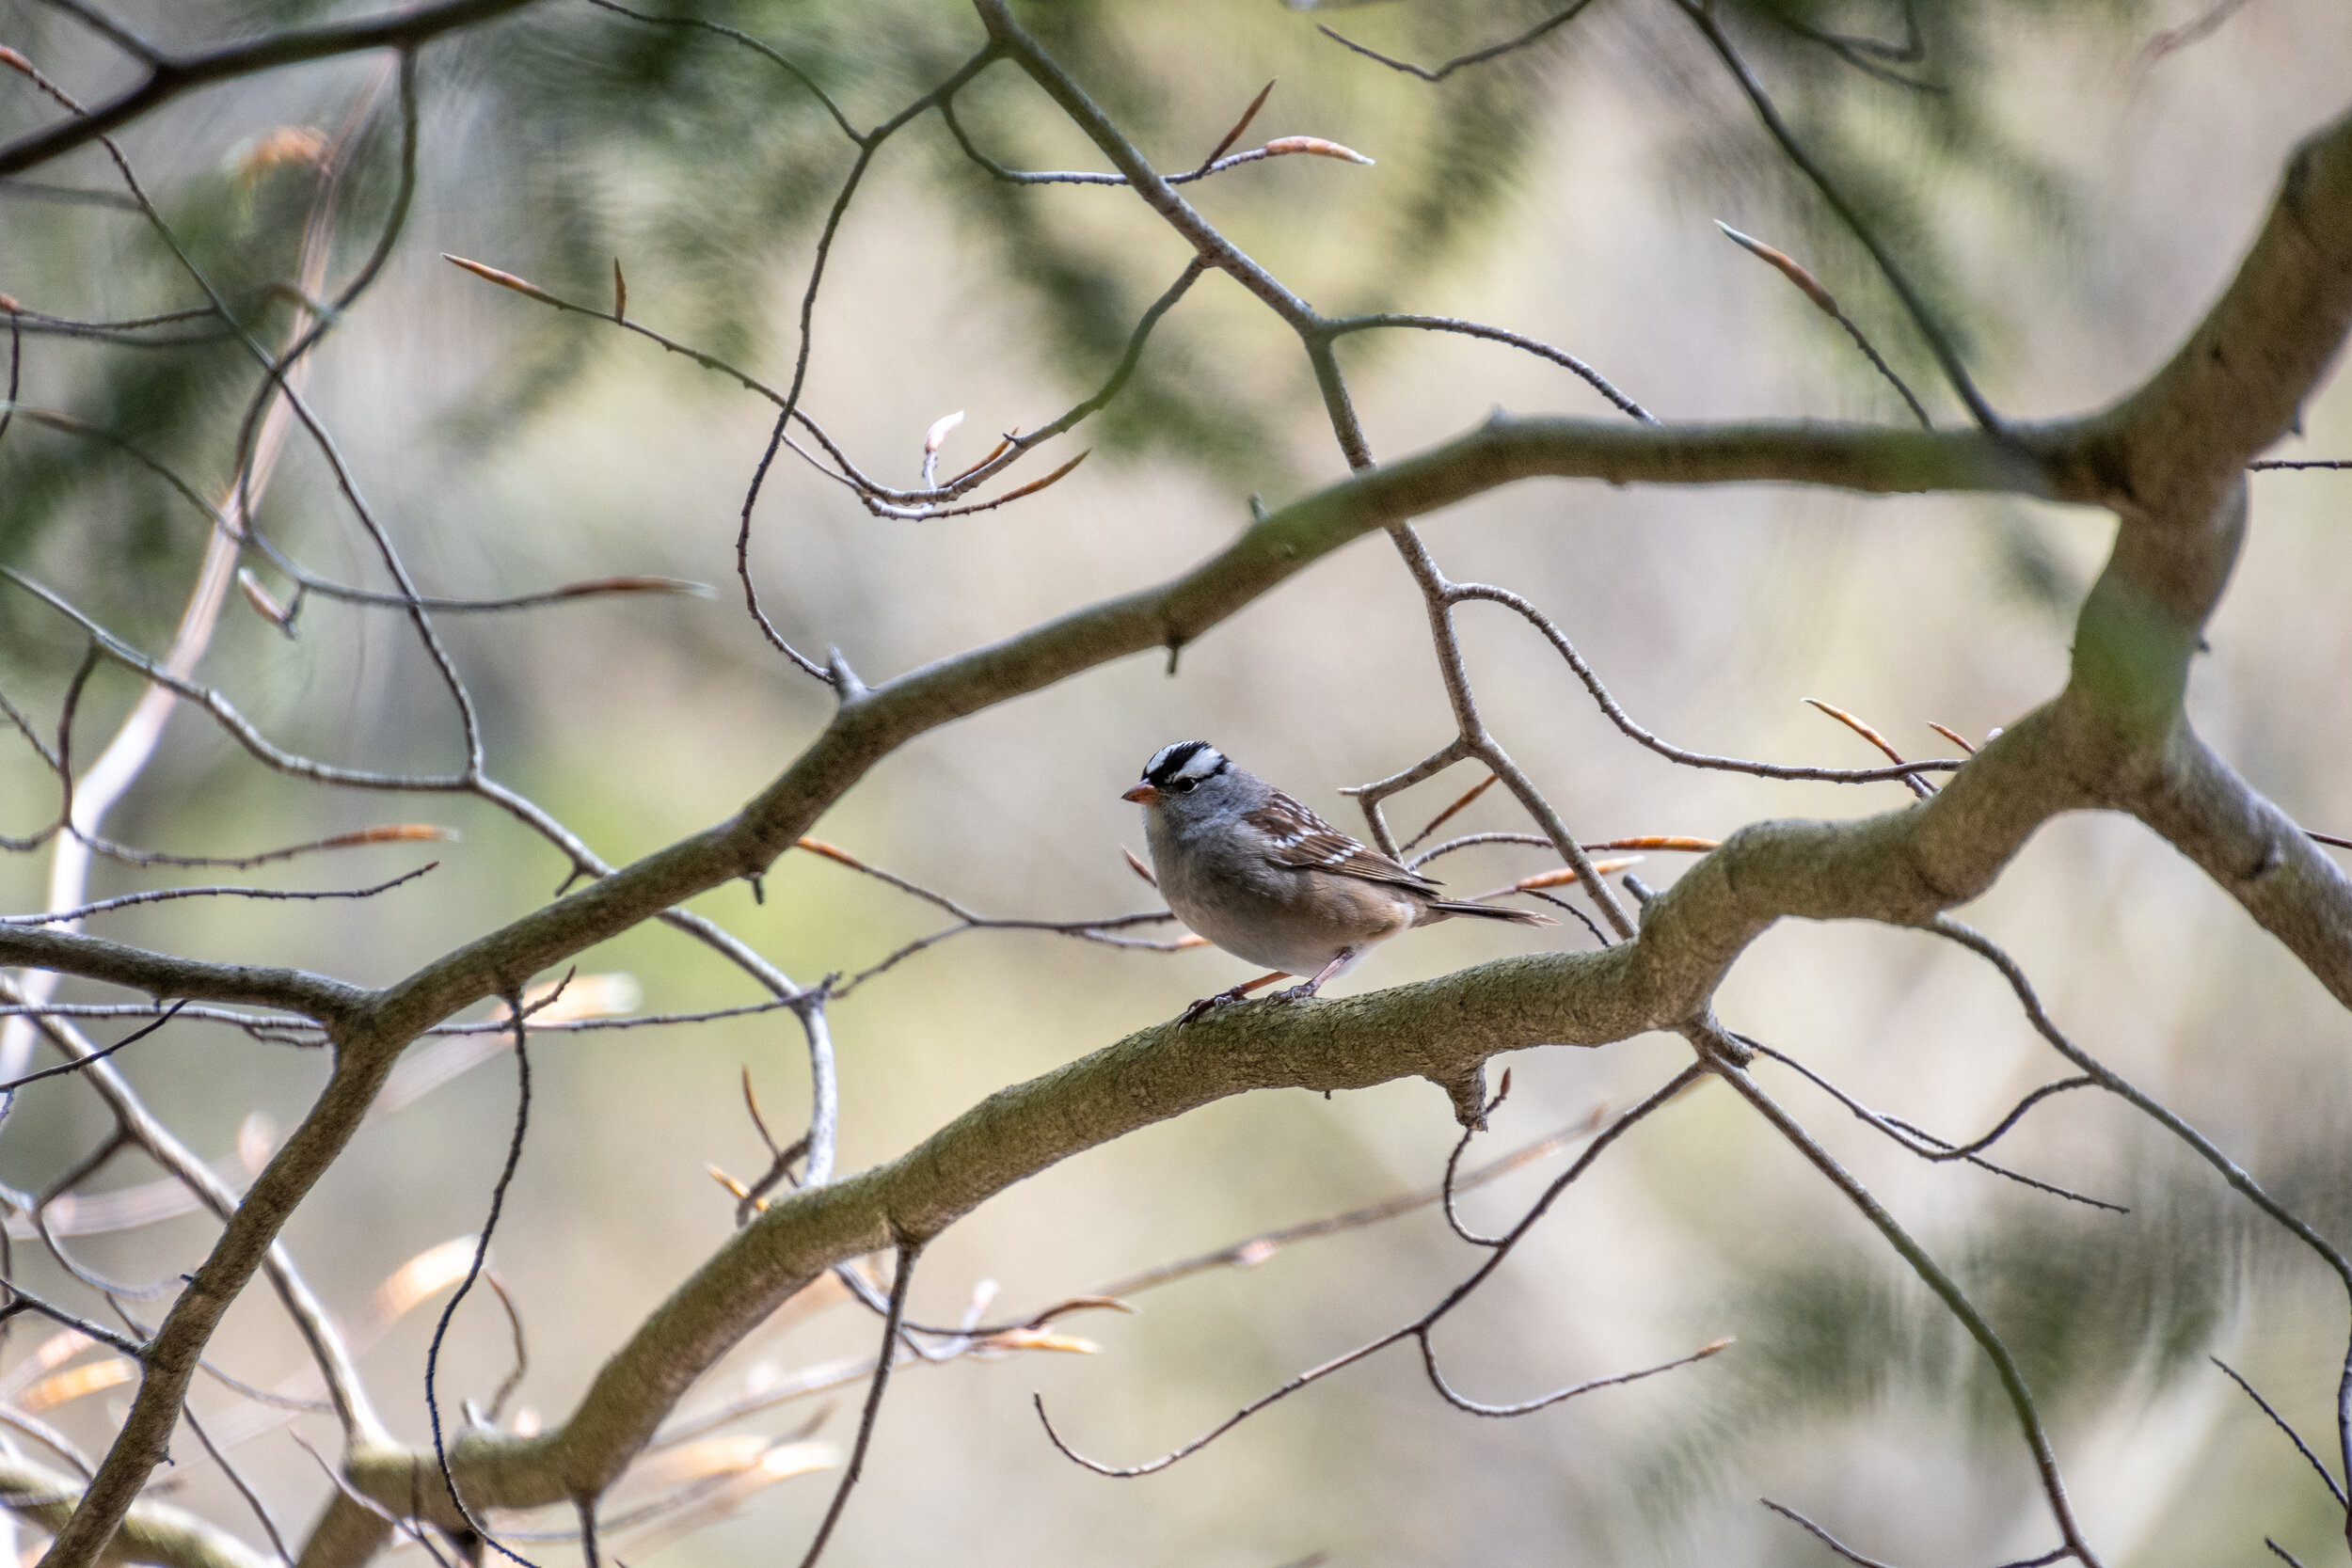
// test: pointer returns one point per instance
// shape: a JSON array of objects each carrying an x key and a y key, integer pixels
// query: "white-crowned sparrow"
[{"x": 1268, "y": 880}]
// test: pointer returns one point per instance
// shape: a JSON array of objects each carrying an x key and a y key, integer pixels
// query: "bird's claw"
[{"x": 1208, "y": 1003}]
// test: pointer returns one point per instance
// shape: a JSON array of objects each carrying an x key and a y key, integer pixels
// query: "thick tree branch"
[
  {"x": 1899, "y": 867},
  {"x": 316, "y": 996},
  {"x": 2291, "y": 886},
  {"x": 151, "y": 1532}
]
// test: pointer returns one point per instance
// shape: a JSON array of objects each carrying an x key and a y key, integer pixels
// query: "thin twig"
[
  {"x": 159, "y": 896},
  {"x": 2292, "y": 1437},
  {"x": 79, "y": 1063},
  {"x": 245, "y": 1489},
  {"x": 1592, "y": 377},
  {"x": 1719, "y": 1053},
  {"x": 1927, "y": 1145},
  {"x": 908, "y": 1252},
  {"x": 1955, "y": 370},
  {"x": 1420, "y": 1327},
  {"x": 172, "y": 75},
  {"x": 1811, "y": 287},
  {"x": 2057, "y": 1555},
  {"x": 473, "y": 1272},
  {"x": 1477, "y": 57},
  {"x": 1645, "y": 738}
]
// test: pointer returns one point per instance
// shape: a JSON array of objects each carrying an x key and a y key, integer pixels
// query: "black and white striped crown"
[{"x": 1183, "y": 764}]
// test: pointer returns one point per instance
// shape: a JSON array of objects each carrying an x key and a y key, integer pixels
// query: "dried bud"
[
  {"x": 1566, "y": 873},
  {"x": 1030, "y": 1339},
  {"x": 267, "y": 608},
  {"x": 392, "y": 833},
  {"x": 1785, "y": 264},
  {"x": 1315, "y": 145},
  {"x": 935, "y": 436},
  {"x": 504, "y": 279}
]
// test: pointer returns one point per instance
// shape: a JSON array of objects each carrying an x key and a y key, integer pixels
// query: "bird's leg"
[
  {"x": 1232, "y": 995},
  {"x": 1301, "y": 993}
]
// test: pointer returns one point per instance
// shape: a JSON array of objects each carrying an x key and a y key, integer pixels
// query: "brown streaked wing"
[{"x": 1301, "y": 841}]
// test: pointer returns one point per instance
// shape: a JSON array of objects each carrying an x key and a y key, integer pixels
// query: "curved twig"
[
  {"x": 79, "y": 1063},
  {"x": 160, "y": 896},
  {"x": 1477, "y": 57},
  {"x": 2013, "y": 1379},
  {"x": 2293, "y": 1436},
  {"x": 1617, "y": 716},
  {"x": 1420, "y": 1326},
  {"x": 1528, "y": 1407},
  {"x": 1541, "y": 350},
  {"x": 908, "y": 1252},
  {"x": 1703, "y": 17},
  {"x": 473, "y": 1272}
]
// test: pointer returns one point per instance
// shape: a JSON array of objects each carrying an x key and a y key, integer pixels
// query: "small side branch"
[
  {"x": 473, "y": 1272},
  {"x": 908, "y": 1252},
  {"x": 1477, "y": 57},
  {"x": 1419, "y": 1328},
  {"x": 2057, "y": 1555},
  {"x": 1723, "y": 1063},
  {"x": 1541, "y": 350},
  {"x": 2293, "y": 1436}
]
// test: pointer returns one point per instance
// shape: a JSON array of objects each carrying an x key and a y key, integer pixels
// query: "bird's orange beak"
[{"x": 1142, "y": 795}]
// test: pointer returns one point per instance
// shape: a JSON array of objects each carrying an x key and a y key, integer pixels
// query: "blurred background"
[{"x": 2071, "y": 192}]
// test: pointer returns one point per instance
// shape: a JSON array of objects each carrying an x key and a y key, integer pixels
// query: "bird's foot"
[
  {"x": 1209, "y": 1004},
  {"x": 1235, "y": 994},
  {"x": 1298, "y": 993}
]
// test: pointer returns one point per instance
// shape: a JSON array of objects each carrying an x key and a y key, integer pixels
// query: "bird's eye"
[{"x": 1182, "y": 786}]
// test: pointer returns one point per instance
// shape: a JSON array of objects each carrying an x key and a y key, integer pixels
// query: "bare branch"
[
  {"x": 55, "y": 917},
  {"x": 1931, "y": 1148},
  {"x": 21, "y": 1300},
  {"x": 1782, "y": 262},
  {"x": 473, "y": 1272},
  {"x": 78, "y": 1063},
  {"x": 150, "y": 1532},
  {"x": 1592, "y": 377},
  {"x": 2013, "y": 1379},
  {"x": 2059, "y": 1555},
  {"x": 1477, "y": 57},
  {"x": 1703, "y": 17},
  {"x": 2292, "y": 1437},
  {"x": 1420, "y": 1327},
  {"x": 175, "y": 75},
  {"x": 245, "y": 1489},
  {"x": 908, "y": 1253},
  {"x": 1617, "y": 716},
  {"x": 749, "y": 43}
]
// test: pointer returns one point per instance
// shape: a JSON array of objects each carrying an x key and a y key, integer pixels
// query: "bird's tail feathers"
[{"x": 1490, "y": 911}]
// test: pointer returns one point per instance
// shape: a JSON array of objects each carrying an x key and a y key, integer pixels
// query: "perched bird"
[{"x": 1268, "y": 880}]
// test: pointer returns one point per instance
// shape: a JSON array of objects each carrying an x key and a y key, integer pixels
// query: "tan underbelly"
[{"x": 1300, "y": 948}]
